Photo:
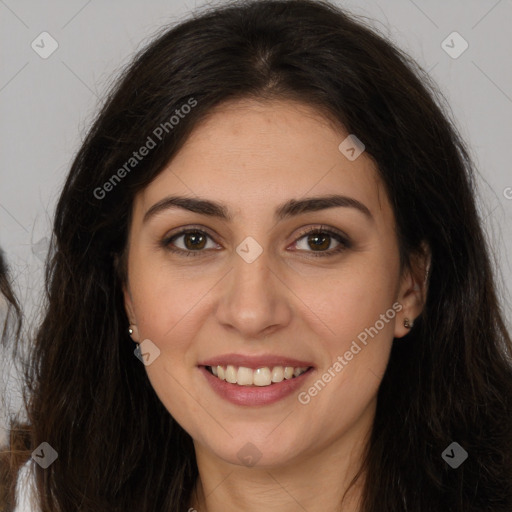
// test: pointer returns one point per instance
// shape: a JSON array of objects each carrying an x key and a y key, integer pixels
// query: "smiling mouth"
[{"x": 265, "y": 376}]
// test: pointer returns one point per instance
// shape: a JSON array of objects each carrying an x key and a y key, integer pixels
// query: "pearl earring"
[
  {"x": 408, "y": 324},
  {"x": 133, "y": 332}
]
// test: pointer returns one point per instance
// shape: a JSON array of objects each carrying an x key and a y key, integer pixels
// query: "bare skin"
[{"x": 290, "y": 301}]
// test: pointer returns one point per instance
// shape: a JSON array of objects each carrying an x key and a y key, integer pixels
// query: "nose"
[{"x": 254, "y": 302}]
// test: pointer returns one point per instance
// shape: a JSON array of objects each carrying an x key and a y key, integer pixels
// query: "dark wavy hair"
[{"x": 119, "y": 448}]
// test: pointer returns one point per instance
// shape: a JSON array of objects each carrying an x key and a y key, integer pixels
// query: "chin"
[{"x": 258, "y": 451}]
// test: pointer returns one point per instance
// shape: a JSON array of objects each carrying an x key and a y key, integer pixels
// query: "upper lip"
[{"x": 254, "y": 362}]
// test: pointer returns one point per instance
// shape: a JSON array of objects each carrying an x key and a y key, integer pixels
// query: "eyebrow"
[{"x": 291, "y": 208}]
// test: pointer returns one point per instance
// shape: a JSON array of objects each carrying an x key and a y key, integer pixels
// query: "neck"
[{"x": 313, "y": 482}]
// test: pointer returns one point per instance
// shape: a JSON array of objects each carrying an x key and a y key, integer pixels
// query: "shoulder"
[{"x": 26, "y": 499}]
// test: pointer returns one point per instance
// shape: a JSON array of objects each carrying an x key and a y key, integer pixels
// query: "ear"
[
  {"x": 412, "y": 293},
  {"x": 130, "y": 312},
  {"x": 119, "y": 261}
]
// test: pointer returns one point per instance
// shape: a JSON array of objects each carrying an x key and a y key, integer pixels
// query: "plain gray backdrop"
[{"x": 47, "y": 104}]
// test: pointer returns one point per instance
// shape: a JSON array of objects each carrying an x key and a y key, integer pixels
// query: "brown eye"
[
  {"x": 190, "y": 242},
  {"x": 318, "y": 242},
  {"x": 194, "y": 240}
]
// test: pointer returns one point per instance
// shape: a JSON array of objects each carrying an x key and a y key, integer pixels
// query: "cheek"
[
  {"x": 346, "y": 302},
  {"x": 357, "y": 327},
  {"x": 170, "y": 307},
  {"x": 167, "y": 298},
  {"x": 354, "y": 321}
]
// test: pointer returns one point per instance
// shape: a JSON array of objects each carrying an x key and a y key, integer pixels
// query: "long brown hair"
[{"x": 90, "y": 399}]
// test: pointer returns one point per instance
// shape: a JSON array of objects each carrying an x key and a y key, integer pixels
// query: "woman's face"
[{"x": 250, "y": 291}]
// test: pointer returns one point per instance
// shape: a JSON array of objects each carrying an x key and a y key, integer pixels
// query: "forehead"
[{"x": 249, "y": 154}]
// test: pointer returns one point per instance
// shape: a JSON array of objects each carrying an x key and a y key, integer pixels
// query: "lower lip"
[{"x": 254, "y": 395}]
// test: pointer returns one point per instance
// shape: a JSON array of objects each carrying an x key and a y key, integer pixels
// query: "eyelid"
[
  {"x": 343, "y": 239},
  {"x": 324, "y": 229},
  {"x": 193, "y": 227}
]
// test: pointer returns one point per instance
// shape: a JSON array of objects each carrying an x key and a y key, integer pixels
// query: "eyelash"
[{"x": 339, "y": 237}]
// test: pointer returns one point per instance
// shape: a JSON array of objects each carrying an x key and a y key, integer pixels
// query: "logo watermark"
[
  {"x": 454, "y": 455},
  {"x": 147, "y": 352},
  {"x": 249, "y": 455},
  {"x": 351, "y": 147},
  {"x": 44, "y": 45},
  {"x": 454, "y": 45},
  {"x": 45, "y": 455}
]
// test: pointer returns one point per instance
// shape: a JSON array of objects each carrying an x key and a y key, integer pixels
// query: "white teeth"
[
  {"x": 278, "y": 374},
  {"x": 265, "y": 376},
  {"x": 244, "y": 376},
  {"x": 230, "y": 374},
  {"x": 262, "y": 377}
]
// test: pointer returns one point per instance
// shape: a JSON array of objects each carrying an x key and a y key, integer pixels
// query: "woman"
[
  {"x": 273, "y": 210},
  {"x": 10, "y": 328}
]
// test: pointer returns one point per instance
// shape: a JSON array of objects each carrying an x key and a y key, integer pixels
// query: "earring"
[
  {"x": 408, "y": 324},
  {"x": 133, "y": 332}
]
